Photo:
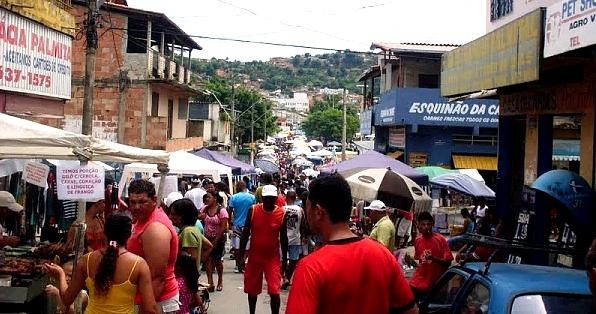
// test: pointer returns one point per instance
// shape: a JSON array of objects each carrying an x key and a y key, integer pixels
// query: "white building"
[{"x": 291, "y": 110}]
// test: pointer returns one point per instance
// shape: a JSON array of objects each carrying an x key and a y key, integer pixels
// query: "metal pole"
[
  {"x": 233, "y": 122},
  {"x": 91, "y": 37},
  {"x": 344, "y": 128},
  {"x": 252, "y": 126}
]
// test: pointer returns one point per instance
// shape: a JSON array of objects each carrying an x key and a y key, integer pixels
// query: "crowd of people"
[{"x": 294, "y": 232}]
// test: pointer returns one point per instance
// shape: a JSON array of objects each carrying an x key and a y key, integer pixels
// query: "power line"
[{"x": 259, "y": 42}]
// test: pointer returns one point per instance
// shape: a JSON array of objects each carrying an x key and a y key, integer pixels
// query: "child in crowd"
[
  {"x": 54, "y": 293},
  {"x": 187, "y": 276}
]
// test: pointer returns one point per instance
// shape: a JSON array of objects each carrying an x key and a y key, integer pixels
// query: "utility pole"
[
  {"x": 344, "y": 128},
  {"x": 91, "y": 37},
  {"x": 233, "y": 124},
  {"x": 252, "y": 126}
]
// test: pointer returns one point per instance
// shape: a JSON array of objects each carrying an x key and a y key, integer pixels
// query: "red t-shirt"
[
  {"x": 355, "y": 275},
  {"x": 281, "y": 200},
  {"x": 265, "y": 228},
  {"x": 428, "y": 272}
]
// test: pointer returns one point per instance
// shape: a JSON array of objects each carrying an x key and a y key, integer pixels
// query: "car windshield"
[{"x": 551, "y": 303}]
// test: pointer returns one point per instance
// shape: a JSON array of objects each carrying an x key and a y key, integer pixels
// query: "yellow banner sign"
[{"x": 507, "y": 56}]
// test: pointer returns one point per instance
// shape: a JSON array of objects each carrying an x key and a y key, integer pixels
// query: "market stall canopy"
[
  {"x": 238, "y": 167},
  {"x": 573, "y": 192},
  {"x": 315, "y": 143},
  {"x": 180, "y": 162},
  {"x": 321, "y": 153},
  {"x": 333, "y": 143},
  {"x": 435, "y": 171},
  {"x": 24, "y": 139},
  {"x": 464, "y": 184},
  {"x": 373, "y": 159},
  {"x": 388, "y": 186},
  {"x": 266, "y": 166}
]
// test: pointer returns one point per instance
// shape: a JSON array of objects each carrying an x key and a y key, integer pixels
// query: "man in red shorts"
[
  {"x": 266, "y": 227},
  {"x": 349, "y": 274}
]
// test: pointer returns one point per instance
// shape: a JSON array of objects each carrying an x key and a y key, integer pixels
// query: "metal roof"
[
  {"x": 160, "y": 23},
  {"x": 373, "y": 71},
  {"x": 414, "y": 47}
]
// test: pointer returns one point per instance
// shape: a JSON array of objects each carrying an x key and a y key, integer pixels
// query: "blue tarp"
[
  {"x": 238, "y": 167},
  {"x": 463, "y": 183},
  {"x": 373, "y": 159}
]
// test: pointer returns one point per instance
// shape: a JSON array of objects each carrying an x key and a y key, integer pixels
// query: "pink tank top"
[{"x": 134, "y": 246}]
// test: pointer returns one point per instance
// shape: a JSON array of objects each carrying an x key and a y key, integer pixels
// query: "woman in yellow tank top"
[{"x": 113, "y": 275}]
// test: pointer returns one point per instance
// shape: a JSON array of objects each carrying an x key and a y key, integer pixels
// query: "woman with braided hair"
[{"x": 113, "y": 275}]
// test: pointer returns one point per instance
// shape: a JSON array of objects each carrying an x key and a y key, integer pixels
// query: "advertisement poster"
[{"x": 80, "y": 182}]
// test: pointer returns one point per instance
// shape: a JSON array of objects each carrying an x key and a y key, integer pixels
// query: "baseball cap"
[
  {"x": 172, "y": 197},
  {"x": 376, "y": 205},
  {"x": 8, "y": 201},
  {"x": 269, "y": 190}
]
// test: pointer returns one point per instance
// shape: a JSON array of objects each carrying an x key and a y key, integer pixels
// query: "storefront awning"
[
  {"x": 566, "y": 150},
  {"x": 475, "y": 162}
]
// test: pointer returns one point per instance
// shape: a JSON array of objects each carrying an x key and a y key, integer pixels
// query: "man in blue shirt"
[{"x": 239, "y": 205}]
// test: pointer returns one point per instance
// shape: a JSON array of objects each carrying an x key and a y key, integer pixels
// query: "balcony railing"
[{"x": 166, "y": 68}]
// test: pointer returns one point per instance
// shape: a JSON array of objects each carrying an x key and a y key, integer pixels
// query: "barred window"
[{"x": 500, "y": 8}]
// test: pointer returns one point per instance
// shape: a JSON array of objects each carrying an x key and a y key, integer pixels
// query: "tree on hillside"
[
  {"x": 248, "y": 103},
  {"x": 327, "y": 123}
]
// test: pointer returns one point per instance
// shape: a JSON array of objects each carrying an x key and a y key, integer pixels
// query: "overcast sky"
[{"x": 346, "y": 24}]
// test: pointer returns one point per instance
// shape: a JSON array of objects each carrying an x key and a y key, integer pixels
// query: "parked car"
[{"x": 509, "y": 288}]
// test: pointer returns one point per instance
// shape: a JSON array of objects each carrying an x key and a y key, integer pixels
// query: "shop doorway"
[{"x": 566, "y": 143}]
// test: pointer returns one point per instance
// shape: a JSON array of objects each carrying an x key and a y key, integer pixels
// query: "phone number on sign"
[{"x": 15, "y": 75}]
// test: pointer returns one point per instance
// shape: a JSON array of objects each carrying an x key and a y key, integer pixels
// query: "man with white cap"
[
  {"x": 266, "y": 226},
  {"x": 383, "y": 231},
  {"x": 8, "y": 205}
]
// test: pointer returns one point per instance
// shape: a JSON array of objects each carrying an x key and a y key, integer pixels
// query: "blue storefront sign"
[{"x": 425, "y": 106}]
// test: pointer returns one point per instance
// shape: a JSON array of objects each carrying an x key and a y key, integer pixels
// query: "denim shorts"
[{"x": 294, "y": 252}]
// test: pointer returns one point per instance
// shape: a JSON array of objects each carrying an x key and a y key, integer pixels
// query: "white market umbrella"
[
  {"x": 386, "y": 185},
  {"x": 322, "y": 153}
]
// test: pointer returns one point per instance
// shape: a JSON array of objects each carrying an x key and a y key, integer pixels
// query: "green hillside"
[{"x": 301, "y": 72}]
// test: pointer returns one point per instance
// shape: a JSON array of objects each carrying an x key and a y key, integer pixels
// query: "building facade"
[
  {"x": 142, "y": 80},
  {"x": 36, "y": 63},
  {"x": 547, "y": 108},
  {"x": 415, "y": 124}
]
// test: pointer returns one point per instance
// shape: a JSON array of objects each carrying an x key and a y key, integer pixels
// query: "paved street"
[{"x": 233, "y": 299}]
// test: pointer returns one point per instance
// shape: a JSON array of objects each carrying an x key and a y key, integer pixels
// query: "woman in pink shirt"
[{"x": 215, "y": 219}]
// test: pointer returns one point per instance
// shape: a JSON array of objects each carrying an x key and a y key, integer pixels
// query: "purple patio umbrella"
[
  {"x": 372, "y": 159},
  {"x": 238, "y": 167}
]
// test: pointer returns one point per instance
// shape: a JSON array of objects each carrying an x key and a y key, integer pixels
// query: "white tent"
[
  {"x": 321, "y": 153},
  {"x": 181, "y": 162},
  {"x": 72, "y": 163},
  {"x": 24, "y": 139},
  {"x": 315, "y": 143}
]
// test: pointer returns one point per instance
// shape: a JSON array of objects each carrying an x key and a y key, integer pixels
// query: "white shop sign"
[
  {"x": 570, "y": 25},
  {"x": 36, "y": 173},
  {"x": 34, "y": 59},
  {"x": 80, "y": 182}
]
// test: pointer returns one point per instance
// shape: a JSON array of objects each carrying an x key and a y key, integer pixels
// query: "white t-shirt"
[
  {"x": 480, "y": 212},
  {"x": 196, "y": 196},
  {"x": 294, "y": 216}
]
